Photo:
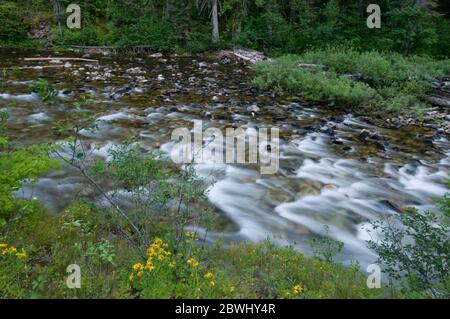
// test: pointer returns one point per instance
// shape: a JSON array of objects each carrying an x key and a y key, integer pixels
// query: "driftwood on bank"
[
  {"x": 39, "y": 67},
  {"x": 60, "y": 59},
  {"x": 248, "y": 55}
]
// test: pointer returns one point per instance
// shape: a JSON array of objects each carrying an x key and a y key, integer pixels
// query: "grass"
[
  {"x": 83, "y": 235},
  {"x": 390, "y": 83}
]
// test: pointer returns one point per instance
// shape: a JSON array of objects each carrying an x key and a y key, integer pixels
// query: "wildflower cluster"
[
  {"x": 209, "y": 276},
  {"x": 193, "y": 262},
  {"x": 156, "y": 253},
  {"x": 191, "y": 235},
  {"x": 160, "y": 260},
  {"x": 295, "y": 291},
  {"x": 6, "y": 250}
]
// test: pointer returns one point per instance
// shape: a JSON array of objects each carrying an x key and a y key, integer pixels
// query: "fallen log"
[
  {"x": 39, "y": 67},
  {"x": 248, "y": 55},
  {"x": 60, "y": 59}
]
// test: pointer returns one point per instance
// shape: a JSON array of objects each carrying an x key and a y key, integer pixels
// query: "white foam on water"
[
  {"x": 38, "y": 117},
  {"x": 419, "y": 182},
  {"x": 313, "y": 144},
  {"x": 32, "y": 97},
  {"x": 120, "y": 116}
]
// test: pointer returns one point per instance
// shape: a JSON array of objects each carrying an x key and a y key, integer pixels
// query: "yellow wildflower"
[
  {"x": 140, "y": 274},
  {"x": 12, "y": 250},
  {"x": 3, "y": 245},
  {"x": 157, "y": 242},
  {"x": 232, "y": 289},
  {"x": 131, "y": 277},
  {"x": 209, "y": 275},
  {"x": 21, "y": 255},
  {"x": 297, "y": 289},
  {"x": 212, "y": 283},
  {"x": 190, "y": 234},
  {"x": 138, "y": 267},
  {"x": 194, "y": 263},
  {"x": 150, "y": 267}
]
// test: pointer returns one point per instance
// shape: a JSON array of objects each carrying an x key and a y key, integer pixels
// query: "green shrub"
[
  {"x": 87, "y": 35},
  {"x": 12, "y": 29},
  {"x": 268, "y": 31},
  {"x": 283, "y": 75},
  {"x": 149, "y": 31},
  {"x": 17, "y": 167},
  {"x": 391, "y": 83},
  {"x": 415, "y": 246}
]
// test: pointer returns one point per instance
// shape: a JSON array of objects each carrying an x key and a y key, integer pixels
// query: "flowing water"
[{"x": 332, "y": 171}]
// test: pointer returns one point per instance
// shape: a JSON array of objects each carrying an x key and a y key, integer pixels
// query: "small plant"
[
  {"x": 325, "y": 248},
  {"x": 101, "y": 252},
  {"x": 45, "y": 91}
]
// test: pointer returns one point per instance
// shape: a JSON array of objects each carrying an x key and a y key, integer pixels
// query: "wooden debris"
[
  {"x": 60, "y": 59},
  {"x": 251, "y": 56}
]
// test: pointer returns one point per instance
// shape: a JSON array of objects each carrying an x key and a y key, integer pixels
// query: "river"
[{"x": 336, "y": 169}]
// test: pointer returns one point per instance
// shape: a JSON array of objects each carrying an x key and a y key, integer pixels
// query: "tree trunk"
[
  {"x": 215, "y": 22},
  {"x": 57, "y": 12}
]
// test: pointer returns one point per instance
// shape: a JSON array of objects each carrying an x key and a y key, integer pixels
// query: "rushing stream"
[{"x": 335, "y": 169}]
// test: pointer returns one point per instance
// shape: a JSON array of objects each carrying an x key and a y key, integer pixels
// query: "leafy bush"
[
  {"x": 387, "y": 80},
  {"x": 12, "y": 29},
  {"x": 268, "y": 31},
  {"x": 149, "y": 31},
  {"x": 87, "y": 35},
  {"x": 415, "y": 246},
  {"x": 16, "y": 167},
  {"x": 325, "y": 248},
  {"x": 283, "y": 75}
]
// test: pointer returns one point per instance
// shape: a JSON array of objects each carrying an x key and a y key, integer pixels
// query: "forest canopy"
[{"x": 273, "y": 26}]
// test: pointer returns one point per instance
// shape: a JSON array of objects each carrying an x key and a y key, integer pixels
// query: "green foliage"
[
  {"x": 156, "y": 34},
  {"x": 85, "y": 236},
  {"x": 14, "y": 271},
  {"x": 393, "y": 82},
  {"x": 283, "y": 75},
  {"x": 17, "y": 167},
  {"x": 80, "y": 235},
  {"x": 88, "y": 35},
  {"x": 415, "y": 246},
  {"x": 278, "y": 27},
  {"x": 12, "y": 29},
  {"x": 268, "y": 31},
  {"x": 159, "y": 193},
  {"x": 45, "y": 91},
  {"x": 325, "y": 248}
]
